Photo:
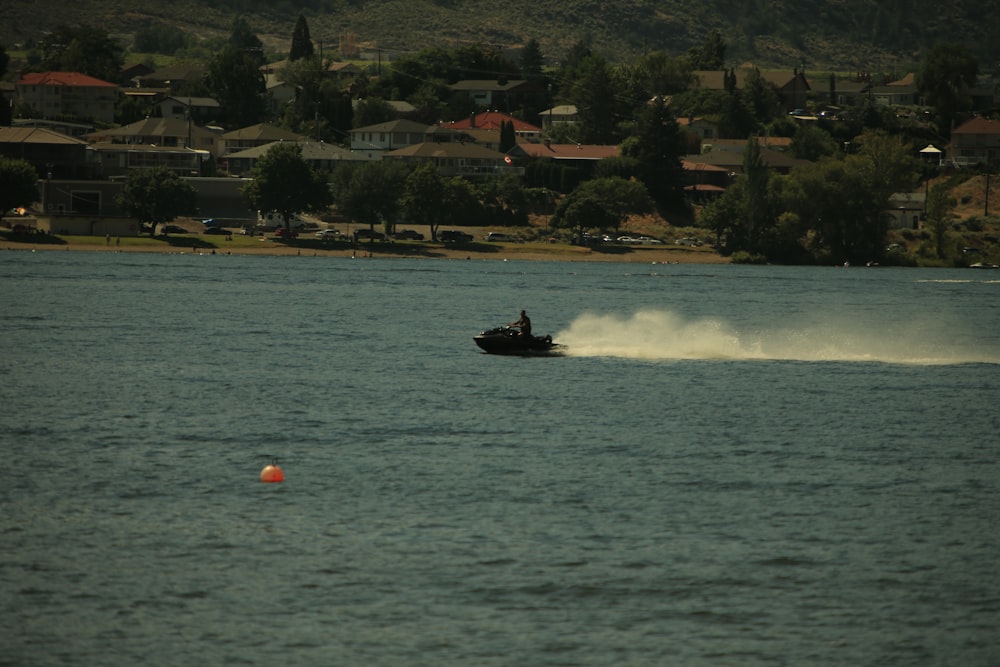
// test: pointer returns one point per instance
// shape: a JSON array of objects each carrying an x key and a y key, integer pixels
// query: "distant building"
[
  {"x": 51, "y": 153},
  {"x": 975, "y": 142},
  {"x": 62, "y": 94}
]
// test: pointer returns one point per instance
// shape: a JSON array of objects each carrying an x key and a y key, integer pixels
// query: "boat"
[{"x": 508, "y": 340}]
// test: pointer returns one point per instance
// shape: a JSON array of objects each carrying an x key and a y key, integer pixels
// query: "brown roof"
[
  {"x": 491, "y": 120},
  {"x": 35, "y": 135},
  {"x": 63, "y": 79},
  {"x": 569, "y": 151},
  {"x": 978, "y": 125},
  {"x": 450, "y": 149}
]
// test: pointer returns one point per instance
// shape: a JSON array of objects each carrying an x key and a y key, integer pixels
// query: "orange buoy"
[{"x": 272, "y": 473}]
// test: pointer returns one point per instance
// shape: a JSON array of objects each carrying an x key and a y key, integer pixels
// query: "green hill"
[{"x": 843, "y": 35}]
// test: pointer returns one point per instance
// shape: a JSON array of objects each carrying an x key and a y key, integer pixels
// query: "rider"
[{"x": 524, "y": 324}]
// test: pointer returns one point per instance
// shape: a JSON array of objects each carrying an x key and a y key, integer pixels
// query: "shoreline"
[{"x": 626, "y": 255}]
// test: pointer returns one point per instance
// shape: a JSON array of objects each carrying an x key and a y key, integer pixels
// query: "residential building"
[
  {"x": 975, "y": 142},
  {"x": 499, "y": 93},
  {"x": 376, "y": 140},
  {"x": 200, "y": 110},
  {"x": 251, "y": 137},
  {"x": 317, "y": 154},
  {"x": 791, "y": 87},
  {"x": 170, "y": 132},
  {"x": 175, "y": 78},
  {"x": 494, "y": 120},
  {"x": 563, "y": 114},
  {"x": 51, "y": 153},
  {"x": 456, "y": 159},
  {"x": 704, "y": 129},
  {"x": 118, "y": 159},
  {"x": 62, "y": 94},
  {"x": 564, "y": 153}
]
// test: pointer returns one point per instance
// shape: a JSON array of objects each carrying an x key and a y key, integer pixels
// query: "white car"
[
  {"x": 648, "y": 240},
  {"x": 329, "y": 234},
  {"x": 628, "y": 240}
]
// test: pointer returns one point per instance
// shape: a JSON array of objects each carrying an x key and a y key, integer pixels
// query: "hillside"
[{"x": 842, "y": 35}]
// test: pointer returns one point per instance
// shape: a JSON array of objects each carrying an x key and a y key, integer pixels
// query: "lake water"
[{"x": 735, "y": 466}]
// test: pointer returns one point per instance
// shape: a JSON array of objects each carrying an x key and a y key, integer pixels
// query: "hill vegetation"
[{"x": 841, "y": 35}]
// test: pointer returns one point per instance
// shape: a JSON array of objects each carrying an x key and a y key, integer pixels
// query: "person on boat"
[{"x": 524, "y": 324}]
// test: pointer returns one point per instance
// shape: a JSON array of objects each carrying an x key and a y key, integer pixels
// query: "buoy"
[{"x": 272, "y": 473}]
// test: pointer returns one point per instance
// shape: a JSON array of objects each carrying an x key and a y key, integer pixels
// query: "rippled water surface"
[{"x": 734, "y": 465}]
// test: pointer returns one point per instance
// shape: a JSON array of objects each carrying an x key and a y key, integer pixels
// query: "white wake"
[{"x": 659, "y": 334}]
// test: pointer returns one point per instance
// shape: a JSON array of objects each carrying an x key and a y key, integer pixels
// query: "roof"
[
  {"x": 451, "y": 149},
  {"x": 491, "y": 120},
  {"x": 569, "y": 151},
  {"x": 734, "y": 159},
  {"x": 401, "y": 125},
  {"x": 716, "y": 79},
  {"x": 262, "y": 132},
  {"x": 195, "y": 101},
  {"x": 697, "y": 165},
  {"x": 487, "y": 84},
  {"x": 978, "y": 125},
  {"x": 152, "y": 127},
  {"x": 63, "y": 79},
  {"x": 36, "y": 135},
  {"x": 311, "y": 150}
]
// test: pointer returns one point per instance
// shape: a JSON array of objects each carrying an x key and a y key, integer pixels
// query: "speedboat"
[{"x": 508, "y": 340}]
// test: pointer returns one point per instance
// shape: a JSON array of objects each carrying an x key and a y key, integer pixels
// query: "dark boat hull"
[{"x": 510, "y": 342}]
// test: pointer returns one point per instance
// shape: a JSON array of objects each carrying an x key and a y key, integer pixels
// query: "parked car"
[
  {"x": 283, "y": 233},
  {"x": 688, "y": 241},
  {"x": 368, "y": 235},
  {"x": 648, "y": 240},
  {"x": 409, "y": 235},
  {"x": 329, "y": 234},
  {"x": 499, "y": 237},
  {"x": 454, "y": 236},
  {"x": 627, "y": 240},
  {"x": 216, "y": 230}
]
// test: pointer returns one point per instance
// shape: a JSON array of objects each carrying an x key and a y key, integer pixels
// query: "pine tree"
[{"x": 302, "y": 46}]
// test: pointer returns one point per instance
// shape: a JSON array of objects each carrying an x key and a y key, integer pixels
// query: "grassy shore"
[{"x": 244, "y": 245}]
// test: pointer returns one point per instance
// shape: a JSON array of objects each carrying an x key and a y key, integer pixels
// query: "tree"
[
  {"x": 811, "y": 143},
  {"x": 284, "y": 182},
  {"x": 658, "y": 148},
  {"x": 83, "y": 49},
  {"x": 596, "y": 99},
  {"x": 421, "y": 200},
  {"x": 601, "y": 204},
  {"x": 532, "y": 60},
  {"x": 18, "y": 184},
  {"x": 242, "y": 38},
  {"x": 302, "y": 46},
  {"x": 711, "y": 55},
  {"x": 508, "y": 138},
  {"x": 370, "y": 192},
  {"x": 939, "y": 205},
  {"x": 157, "y": 196},
  {"x": 235, "y": 79},
  {"x": 945, "y": 75}
]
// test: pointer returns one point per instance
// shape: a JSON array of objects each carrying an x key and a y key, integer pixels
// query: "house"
[
  {"x": 739, "y": 145},
  {"x": 170, "y": 132},
  {"x": 494, "y": 93},
  {"x": 51, "y": 153},
  {"x": 174, "y": 77},
  {"x": 251, "y": 137},
  {"x": 704, "y": 182},
  {"x": 130, "y": 74},
  {"x": 279, "y": 93},
  {"x": 376, "y": 140},
  {"x": 452, "y": 158},
  {"x": 78, "y": 130},
  {"x": 562, "y": 114},
  {"x": 732, "y": 160},
  {"x": 792, "y": 87},
  {"x": 975, "y": 142},
  {"x": 118, "y": 159},
  {"x": 494, "y": 120},
  {"x": 704, "y": 129},
  {"x": 894, "y": 95},
  {"x": 200, "y": 110},
  {"x": 318, "y": 155},
  {"x": 61, "y": 94},
  {"x": 565, "y": 153},
  {"x": 906, "y": 209}
]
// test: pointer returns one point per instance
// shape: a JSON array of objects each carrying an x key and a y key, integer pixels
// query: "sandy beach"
[{"x": 309, "y": 248}]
